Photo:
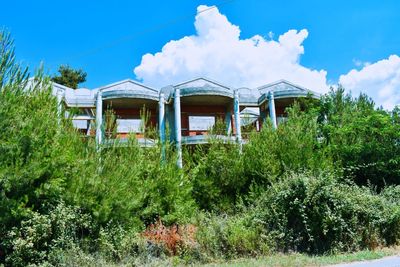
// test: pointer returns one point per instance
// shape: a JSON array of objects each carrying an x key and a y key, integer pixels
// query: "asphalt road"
[{"x": 392, "y": 261}]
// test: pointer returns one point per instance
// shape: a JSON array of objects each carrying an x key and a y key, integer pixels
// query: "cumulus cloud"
[
  {"x": 216, "y": 51},
  {"x": 379, "y": 80}
]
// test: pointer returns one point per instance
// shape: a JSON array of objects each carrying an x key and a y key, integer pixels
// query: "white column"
[
  {"x": 178, "y": 131},
  {"x": 228, "y": 120},
  {"x": 99, "y": 119},
  {"x": 236, "y": 111},
  {"x": 272, "y": 111},
  {"x": 161, "y": 123},
  {"x": 171, "y": 122},
  {"x": 59, "y": 105}
]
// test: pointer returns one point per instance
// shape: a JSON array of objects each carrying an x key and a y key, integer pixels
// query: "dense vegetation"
[{"x": 327, "y": 180}]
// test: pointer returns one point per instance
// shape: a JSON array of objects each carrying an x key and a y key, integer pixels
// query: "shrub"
[
  {"x": 132, "y": 187},
  {"x": 293, "y": 147},
  {"x": 391, "y": 225},
  {"x": 224, "y": 236},
  {"x": 115, "y": 243},
  {"x": 174, "y": 239},
  {"x": 62, "y": 228},
  {"x": 220, "y": 173},
  {"x": 316, "y": 214},
  {"x": 216, "y": 174}
]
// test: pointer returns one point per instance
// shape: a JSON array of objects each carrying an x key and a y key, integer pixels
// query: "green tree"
[
  {"x": 69, "y": 76},
  {"x": 34, "y": 162},
  {"x": 10, "y": 71},
  {"x": 363, "y": 140}
]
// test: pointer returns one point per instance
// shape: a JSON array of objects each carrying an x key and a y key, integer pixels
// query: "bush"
[
  {"x": 130, "y": 186},
  {"x": 216, "y": 174},
  {"x": 316, "y": 214},
  {"x": 41, "y": 234},
  {"x": 293, "y": 147},
  {"x": 224, "y": 236}
]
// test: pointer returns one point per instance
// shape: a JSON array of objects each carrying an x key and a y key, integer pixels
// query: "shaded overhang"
[
  {"x": 130, "y": 102},
  {"x": 202, "y": 91},
  {"x": 206, "y": 100},
  {"x": 129, "y": 94}
]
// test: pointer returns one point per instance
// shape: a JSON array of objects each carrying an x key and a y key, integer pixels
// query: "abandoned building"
[{"x": 190, "y": 111}]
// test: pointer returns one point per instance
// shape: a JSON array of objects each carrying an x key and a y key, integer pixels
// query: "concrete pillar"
[
  {"x": 178, "y": 127},
  {"x": 171, "y": 122},
  {"x": 99, "y": 119},
  {"x": 161, "y": 123},
  {"x": 228, "y": 120},
  {"x": 59, "y": 105},
  {"x": 272, "y": 111},
  {"x": 236, "y": 112},
  {"x": 263, "y": 115}
]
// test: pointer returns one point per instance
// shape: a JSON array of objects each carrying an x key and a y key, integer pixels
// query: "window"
[
  {"x": 201, "y": 123},
  {"x": 80, "y": 124},
  {"x": 129, "y": 125},
  {"x": 246, "y": 119}
]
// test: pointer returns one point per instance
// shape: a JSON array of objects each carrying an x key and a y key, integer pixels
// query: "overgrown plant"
[
  {"x": 317, "y": 214},
  {"x": 362, "y": 139},
  {"x": 110, "y": 123}
]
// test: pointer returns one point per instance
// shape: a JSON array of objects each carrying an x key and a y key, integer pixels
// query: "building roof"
[
  {"x": 81, "y": 97},
  {"x": 248, "y": 97},
  {"x": 128, "y": 89},
  {"x": 284, "y": 89},
  {"x": 204, "y": 87}
]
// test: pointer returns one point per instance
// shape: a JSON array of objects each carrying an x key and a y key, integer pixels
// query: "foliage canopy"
[{"x": 69, "y": 76}]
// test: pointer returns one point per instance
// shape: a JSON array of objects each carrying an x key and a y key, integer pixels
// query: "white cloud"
[
  {"x": 216, "y": 51},
  {"x": 379, "y": 80}
]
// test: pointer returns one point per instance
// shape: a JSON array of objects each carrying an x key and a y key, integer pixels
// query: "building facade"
[{"x": 190, "y": 112}]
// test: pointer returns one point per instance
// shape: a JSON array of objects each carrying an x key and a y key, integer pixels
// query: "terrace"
[
  {"x": 201, "y": 109},
  {"x": 276, "y": 97},
  {"x": 195, "y": 111},
  {"x": 126, "y": 108}
]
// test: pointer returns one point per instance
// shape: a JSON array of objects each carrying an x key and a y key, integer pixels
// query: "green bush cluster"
[
  {"x": 362, "y": 140},
  {"x": 130, "y": 185},
  {"x": 41, "y": 236},
  {"x": 317, "y": 214},
  {"x": 229, "y": 236},
  {"x": 221, "y": 174},
  {"x": 216, "y": 174},
  {"x": 305, "y": 213}
]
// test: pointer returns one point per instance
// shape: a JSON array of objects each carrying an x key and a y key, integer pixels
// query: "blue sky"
[{"x": 108, "y": 39}]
